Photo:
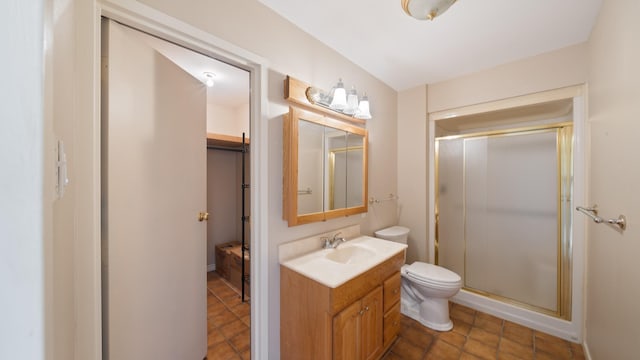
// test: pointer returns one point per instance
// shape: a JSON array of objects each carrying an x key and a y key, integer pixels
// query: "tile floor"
[
  {"x": 229, "y": 321},
  {"x": 475, "y": 335}
]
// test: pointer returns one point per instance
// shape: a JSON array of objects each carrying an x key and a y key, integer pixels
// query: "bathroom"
[
  {"x": 521, "y": 123},
  {"x": 399, "y": 160}
]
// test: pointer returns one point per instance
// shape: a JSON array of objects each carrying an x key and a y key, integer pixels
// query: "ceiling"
[
  {"x": 231, "y": 84},
  {"x": 472, "y": 35}
]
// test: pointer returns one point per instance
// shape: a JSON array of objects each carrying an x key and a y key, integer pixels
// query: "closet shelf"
[{"x": 226, "y": 141}]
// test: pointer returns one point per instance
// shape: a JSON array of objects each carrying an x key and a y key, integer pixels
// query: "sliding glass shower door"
[{"x": 501, "y": 214}]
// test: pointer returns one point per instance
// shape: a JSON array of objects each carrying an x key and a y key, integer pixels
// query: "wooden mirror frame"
[{"x": 290, "y": 166}]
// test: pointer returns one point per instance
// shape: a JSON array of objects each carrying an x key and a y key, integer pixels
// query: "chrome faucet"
[{"x": 333, "y": 241}]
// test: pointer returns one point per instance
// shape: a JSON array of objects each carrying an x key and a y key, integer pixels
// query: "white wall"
[
  {"x": 552, "y": 70},
  {"x": 226, "y": 120},
  {"x": 614, "y": 117},
  {"x": 22, "y": 214},
  {"x": 222, "y": 205},
  {"x": 412, "y": 169}
]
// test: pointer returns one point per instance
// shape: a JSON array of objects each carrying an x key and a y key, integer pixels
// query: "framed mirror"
[{"x": 324, "y": 168}]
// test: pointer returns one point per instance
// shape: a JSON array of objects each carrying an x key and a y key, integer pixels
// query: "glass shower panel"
[
  {"x": 511, "y": 216},
  {"x": 450, "y": 205}
]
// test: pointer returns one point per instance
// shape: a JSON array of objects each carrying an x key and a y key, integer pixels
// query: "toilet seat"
[{"x": 431, "y": 275}]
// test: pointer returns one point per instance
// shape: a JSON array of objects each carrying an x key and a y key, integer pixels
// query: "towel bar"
[{"x": 592, "y": 212}]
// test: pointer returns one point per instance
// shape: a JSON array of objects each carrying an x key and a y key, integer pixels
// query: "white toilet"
[{"x": 426, "y": 288}]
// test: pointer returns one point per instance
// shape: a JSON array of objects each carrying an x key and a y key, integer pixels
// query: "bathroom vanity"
[{"x": 341, "y": 303}]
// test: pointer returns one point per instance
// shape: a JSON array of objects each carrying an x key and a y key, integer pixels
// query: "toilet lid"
[{"x": 429, "y": 272}]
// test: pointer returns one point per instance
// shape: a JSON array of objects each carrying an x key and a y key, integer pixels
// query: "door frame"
[{"x": 88, "y": 286}]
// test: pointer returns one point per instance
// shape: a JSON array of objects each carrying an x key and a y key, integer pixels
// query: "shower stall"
[
  {"x": 504, "y": 194},
  {"x": 504, "y": 200}
]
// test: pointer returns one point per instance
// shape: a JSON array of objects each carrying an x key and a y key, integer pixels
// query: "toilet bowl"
[{"x": 426, "y": 288}]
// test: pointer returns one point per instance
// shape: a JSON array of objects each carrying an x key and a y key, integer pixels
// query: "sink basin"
[
  {"x": 350, "y": 255},
  {"x": 334, "y": 267}
]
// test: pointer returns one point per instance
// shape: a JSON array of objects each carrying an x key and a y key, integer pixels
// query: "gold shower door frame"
[
  {"x": 332, "y": 171},
  {"x": 564, "y": 151}
]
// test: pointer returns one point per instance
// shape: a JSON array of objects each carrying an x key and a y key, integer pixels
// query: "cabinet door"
[
  {"x": 372, "y": 319},
  {"x": 347, "y": 333}
]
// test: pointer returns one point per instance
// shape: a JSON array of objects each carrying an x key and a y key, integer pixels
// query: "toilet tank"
[{"x": 398, "y": 234}]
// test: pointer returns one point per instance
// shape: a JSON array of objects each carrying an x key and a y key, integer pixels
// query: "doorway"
[{"x": 148, "y": 110}]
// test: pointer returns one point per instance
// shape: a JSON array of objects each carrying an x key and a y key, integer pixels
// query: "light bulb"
[{"x": 209, "y": 76}]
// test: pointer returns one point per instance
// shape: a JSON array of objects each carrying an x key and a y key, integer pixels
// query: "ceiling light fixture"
[
  {"x": 426, "y": 9},
  {"x": 208, "y": 78}
]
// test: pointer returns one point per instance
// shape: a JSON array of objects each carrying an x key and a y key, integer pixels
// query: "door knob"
[{"x": 203, "y": 216}]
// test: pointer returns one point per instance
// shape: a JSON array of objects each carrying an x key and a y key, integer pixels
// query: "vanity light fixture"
[
  {"x": 426, "y": 9},
  {"x": 208, "y": 78},
  {"x": 339, "y": 100}
]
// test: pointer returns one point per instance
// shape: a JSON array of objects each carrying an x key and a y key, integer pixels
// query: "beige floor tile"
[
  {"x": 462, "y": 315},
  {"x": 391, "y": 356},
  {"x": 222, "y": 351},
  {"x": 480, "y": 350},
  {"x": 560, "y": 348},
  {"x": 407, "y": 350},
  {"x": 485, "y": 337},
  {"x": 246, "y": 355},
  {"x": 214, "y": 337},
  {"x": 442, "y": 350},
  {"x": 514, "y": 348},
  {"x": 467, "y": 356},
  {"x": 241, "y": 341},
  {"x": 453, "y": 338},
  {"x": 223, "y": 317},
  {"x": 232, "y": 329},
  {"x": 461, "y": 327},
  {"x": 489, "y": 323},
  {"x": 417, "y": 336},
  {"x": 215, "y": 307},
  {"x": 241, "y": 310},
  {"x": 518, "y": 333}
]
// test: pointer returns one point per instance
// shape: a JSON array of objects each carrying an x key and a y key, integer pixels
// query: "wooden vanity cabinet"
[
  {"x": 352, "y": 321},
  {"x": 357, "y": 330},
  {"x": 391, "y": 322}
]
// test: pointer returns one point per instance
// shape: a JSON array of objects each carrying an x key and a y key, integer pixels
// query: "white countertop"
[{"x": 368, "y": 253}]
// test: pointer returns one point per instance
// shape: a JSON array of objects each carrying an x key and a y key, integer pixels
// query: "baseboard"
[
  {"x": 585, "y": 347},
  {"x": 211, "y": 267}
]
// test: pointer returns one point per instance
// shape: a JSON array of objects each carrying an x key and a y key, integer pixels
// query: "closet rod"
[{"x": 223, "y": 148}]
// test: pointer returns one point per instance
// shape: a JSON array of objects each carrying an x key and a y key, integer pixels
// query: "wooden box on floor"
[
  {"x": 223, "y": 258},
  {"x": 235, "y": 268}
]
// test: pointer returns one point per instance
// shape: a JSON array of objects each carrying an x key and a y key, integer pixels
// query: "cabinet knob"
[
  {"x": 366, "y": 308},
  {"x": 361, "y": 312},
  {"x": 395, "y": 291}
]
